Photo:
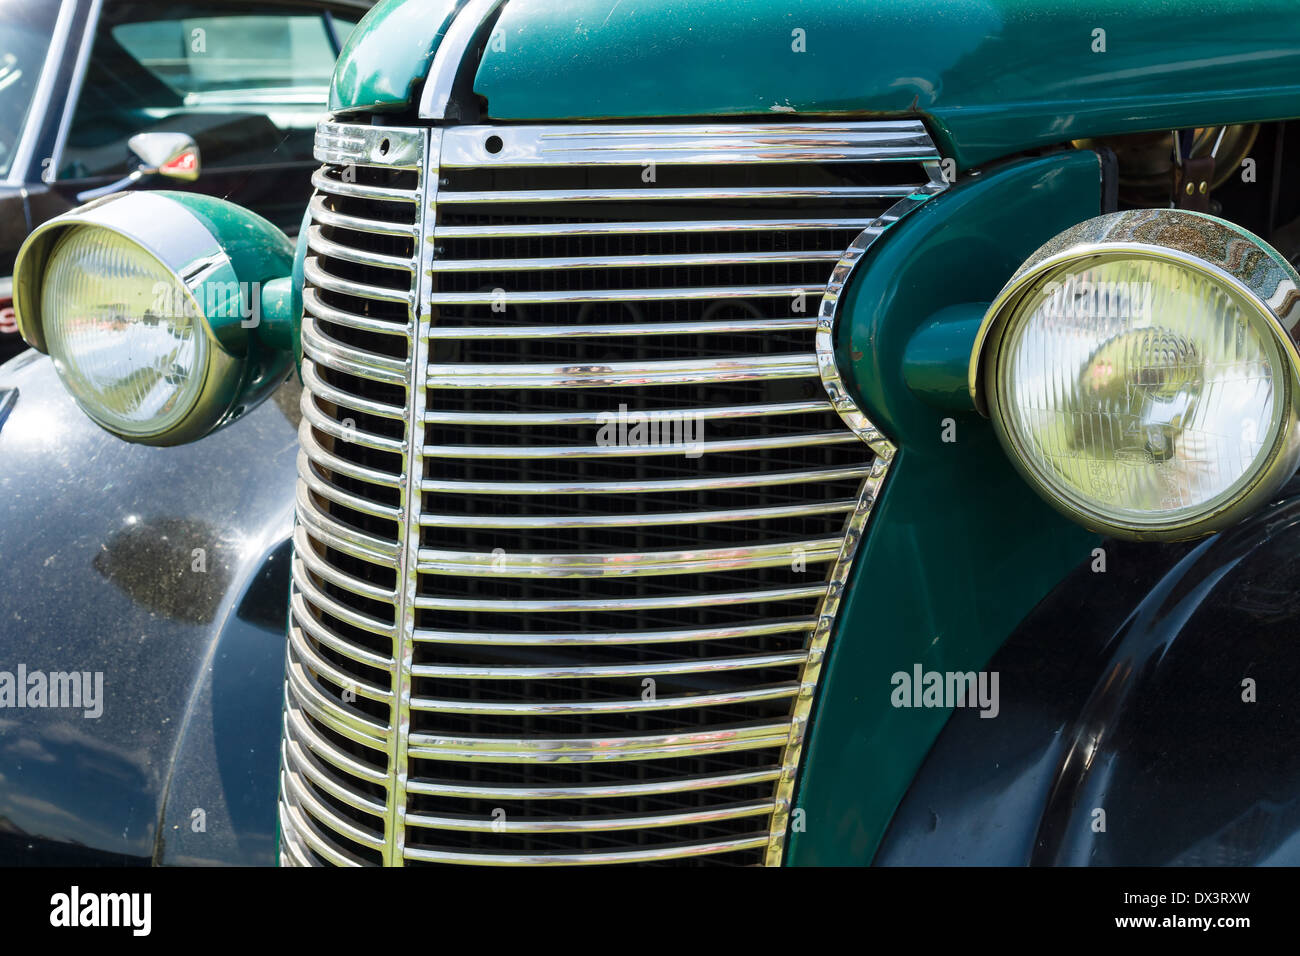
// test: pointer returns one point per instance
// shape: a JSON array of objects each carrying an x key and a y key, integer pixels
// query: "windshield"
[{"x": 25, "y": 30}]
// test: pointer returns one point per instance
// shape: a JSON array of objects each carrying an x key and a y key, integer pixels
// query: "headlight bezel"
[
  {"x": 214, "y": 252},
  {"x": 1234, "y": 259}
]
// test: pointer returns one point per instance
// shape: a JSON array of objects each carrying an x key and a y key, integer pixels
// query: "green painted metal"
[
  {"x": 959, "y": 548},
  {"x": 936, "y": 361},
  {"x": 992, "y": 76},
  {"x": 388, "y": 54},
  {"x": 259, "y": 254}
]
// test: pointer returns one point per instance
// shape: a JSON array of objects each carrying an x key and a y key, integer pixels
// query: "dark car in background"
[{"x": 92, "y": 90}]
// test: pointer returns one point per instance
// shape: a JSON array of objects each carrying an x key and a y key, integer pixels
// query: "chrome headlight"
[
  {"x": 1141, "y": 373},
  {"x": 150, "y": 305}
]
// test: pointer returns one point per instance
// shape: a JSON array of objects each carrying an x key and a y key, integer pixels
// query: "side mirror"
[{"x": 174, "y": 155}]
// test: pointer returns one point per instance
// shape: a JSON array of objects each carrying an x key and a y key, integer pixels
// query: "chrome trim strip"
[
  {"x": 885, "y": 450},
  {"x": 589, "y": 144},
  {"x": 408, "y": 574},
  {"x": 74, "y": 87},
  {"x": 450, "y": 56},
  {"x": 38, "y": 111}
]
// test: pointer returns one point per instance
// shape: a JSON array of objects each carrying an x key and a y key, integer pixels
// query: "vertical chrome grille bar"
[{"x": 432, "y": 437}]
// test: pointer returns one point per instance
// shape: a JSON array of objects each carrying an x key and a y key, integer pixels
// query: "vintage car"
[
  {"x": 220, "y": 97},
  {"x": 801, "y": 432}
]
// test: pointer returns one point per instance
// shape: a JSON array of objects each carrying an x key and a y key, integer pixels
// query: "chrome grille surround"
[{"x": 365, "y": 586}]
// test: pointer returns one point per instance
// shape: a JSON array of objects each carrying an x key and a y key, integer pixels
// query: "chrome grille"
[{"x": 514, "y": 641}]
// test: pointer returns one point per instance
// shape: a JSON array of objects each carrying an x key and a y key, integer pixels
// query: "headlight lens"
[
  {"x": 1141, "y": 389},
  {"x": 125, "y": 334},
  {"x": 1140, "y": 372}
]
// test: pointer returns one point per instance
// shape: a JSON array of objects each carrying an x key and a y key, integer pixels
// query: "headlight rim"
[{"x": 1065, "y": 252}]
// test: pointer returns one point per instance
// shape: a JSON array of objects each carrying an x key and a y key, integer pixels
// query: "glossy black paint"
[
  {"x": 1123, "y": 692},
  {"x": 98, "y": 572}
]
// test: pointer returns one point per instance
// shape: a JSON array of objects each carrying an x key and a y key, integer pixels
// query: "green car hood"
[{"x": 992, "y": 77}]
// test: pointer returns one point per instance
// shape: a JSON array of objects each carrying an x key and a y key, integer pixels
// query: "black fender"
[
  {"x": 1148, "y": 715},
  {"x": 165, "y": 570}
]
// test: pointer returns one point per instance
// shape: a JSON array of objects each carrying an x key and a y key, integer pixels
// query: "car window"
[
  {"x": 25, "y": 30},
  {"x": 248, "y": 81}
]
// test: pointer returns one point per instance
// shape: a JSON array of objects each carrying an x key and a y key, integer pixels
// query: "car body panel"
[
  {"x": 99, "y": 574},
  {"x": 385, "y": 60},
  {"x": 991, "y": 77},
  {"x": 1126, "y": 736},
  {"x": 958, "y": 543}
]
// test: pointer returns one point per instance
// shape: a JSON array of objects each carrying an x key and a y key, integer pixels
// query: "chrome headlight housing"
[
  {"x": 1141, "y": 373},
  {"x": 149, "y": 303}
]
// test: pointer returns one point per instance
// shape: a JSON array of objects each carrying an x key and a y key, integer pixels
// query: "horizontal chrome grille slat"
[
  {"x": 567, "y": 750},
  {"x": 326, "y": 351},
  {"x": 517, "y": 419},
  {"x": 614, "y": 331},
  {"x": 429, "y": 520},
  {"x": 303, "y": 731},
  {"x": 685, "y": 666},
  {"x": 338, "y": 187},
  {"x": 614, "y": 637},
  {"x": 633, "y": 487},
  {"x": 624, "y": 295},
  {"x": 334, "y": 463},
  {"x": 552, "y": 565},
  {"x": 312, "y": 380},
  {"x": 589, "y": 823},
  {"x": 313, "y": 305},
  {"x": 683, "y": 851},
  {"x": 750, "y": 368},
  {"x": 632, "y": 262},
  {"x": 307, "y": 472},
  {"x": 428, "y": 787},
  {"x": 549, "y": 229},
  {"x": 625, "y": 604},
  {"x": 320, "y": 277},
  {"x": 505, "y": 708},
  {"x": 317, "y": 243},
  {"x": 327, "y": 217},
  {"x": 674, "y": 447},
  {"x": 750, "y": 194}
]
